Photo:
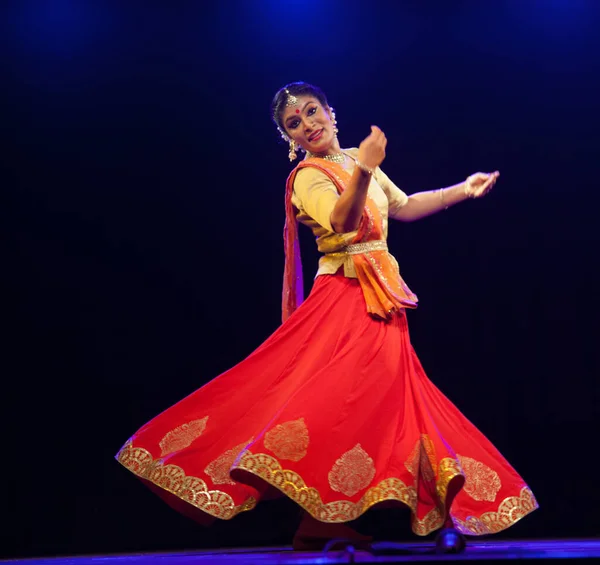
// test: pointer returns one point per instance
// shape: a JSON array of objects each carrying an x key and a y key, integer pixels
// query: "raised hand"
[{"x": 371, "y": 152}]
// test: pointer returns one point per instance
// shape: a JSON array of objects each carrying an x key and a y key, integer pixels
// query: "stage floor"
[{"x": 406, "y": 553}]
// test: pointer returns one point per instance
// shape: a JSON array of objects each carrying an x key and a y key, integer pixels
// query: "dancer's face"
[{"x": 309, "y": 124}]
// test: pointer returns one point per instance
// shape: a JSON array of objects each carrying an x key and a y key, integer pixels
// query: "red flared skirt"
[{"x": 335, "y": 412}]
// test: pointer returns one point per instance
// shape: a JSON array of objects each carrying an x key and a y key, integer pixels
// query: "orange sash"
[{"x": 378, "y": 274}]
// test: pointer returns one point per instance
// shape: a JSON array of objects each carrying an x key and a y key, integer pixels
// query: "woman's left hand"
[{"x": 480, "y": 184}]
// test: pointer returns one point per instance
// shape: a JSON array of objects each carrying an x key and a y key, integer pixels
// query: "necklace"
[{"x": 335, "y": 158}]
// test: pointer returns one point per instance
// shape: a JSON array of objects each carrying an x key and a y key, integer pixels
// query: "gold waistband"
[{"x": 357, "y": 248}]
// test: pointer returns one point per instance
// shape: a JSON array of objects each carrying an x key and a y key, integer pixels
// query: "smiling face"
[{"x": 309, "y": 123}]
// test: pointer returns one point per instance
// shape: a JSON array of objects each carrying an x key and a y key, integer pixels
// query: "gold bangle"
[
  {"x": 364, "y": 168},
  {"x": 444, "y": 205}
]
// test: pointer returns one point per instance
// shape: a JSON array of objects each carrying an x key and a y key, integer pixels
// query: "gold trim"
[
  {"x": 218, "y": 469},
  {"x": 509, "y": 512},
  {"x": 292, "y": 485},
  {"x": 220, "y": 504},
  {"x": 359, "y": 248},
  {"x": 448, "y": 469},
  {"x": 173, "y": 479},
  {"x": 434, "y": 520}
]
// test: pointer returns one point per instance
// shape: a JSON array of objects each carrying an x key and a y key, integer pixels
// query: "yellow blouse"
[{"x": 315, "y": 196}]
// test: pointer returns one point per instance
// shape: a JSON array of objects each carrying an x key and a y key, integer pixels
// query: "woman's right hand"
[{"x": 371, "y": 152}]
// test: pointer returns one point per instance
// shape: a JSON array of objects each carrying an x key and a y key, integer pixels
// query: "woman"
[{"x": 334, "y": 410}]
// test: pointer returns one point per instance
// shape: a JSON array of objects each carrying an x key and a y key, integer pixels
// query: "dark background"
[{"x": 142, "y": 214}]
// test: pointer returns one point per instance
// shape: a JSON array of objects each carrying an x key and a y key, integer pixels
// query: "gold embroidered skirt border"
[{"x": 220, "y": 504}]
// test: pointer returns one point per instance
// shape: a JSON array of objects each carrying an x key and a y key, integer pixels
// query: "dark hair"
[{"x": 296, "y": 89}]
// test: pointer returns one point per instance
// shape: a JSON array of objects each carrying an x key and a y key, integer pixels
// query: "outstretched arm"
[{"x": 423, "y": 204}]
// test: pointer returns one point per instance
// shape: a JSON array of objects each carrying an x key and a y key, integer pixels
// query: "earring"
[
  {"x": 292, "y": 154},
  {"x": 334, "y": 122}
]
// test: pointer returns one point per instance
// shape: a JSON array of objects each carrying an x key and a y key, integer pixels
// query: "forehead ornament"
[{"x": 291, "y": 100}]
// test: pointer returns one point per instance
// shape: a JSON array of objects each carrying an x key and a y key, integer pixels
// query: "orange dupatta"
[{"x": 384, "y": 289}]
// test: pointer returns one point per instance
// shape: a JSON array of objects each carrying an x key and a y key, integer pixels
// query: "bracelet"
[
  {"x": 364, "y": 168},
  {"x": 444, "y": 205}
]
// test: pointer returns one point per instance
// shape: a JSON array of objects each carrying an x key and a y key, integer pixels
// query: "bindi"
[{"x": 297, "y": 111}]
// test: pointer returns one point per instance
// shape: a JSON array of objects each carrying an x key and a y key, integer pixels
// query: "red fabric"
[{"x": 357, "y": 386}]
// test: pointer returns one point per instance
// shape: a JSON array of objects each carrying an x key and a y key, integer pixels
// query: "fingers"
[
  {"x": 484, "y": 176},
  {"x": 372, "y": 148},
  {"x": 378, "y": 136},
  {"x": 376, "y": 133},
  {"x": 493, "y": 176},
  {"x": 484, "y": 188},
  {"x": 488, "y": 181}
]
